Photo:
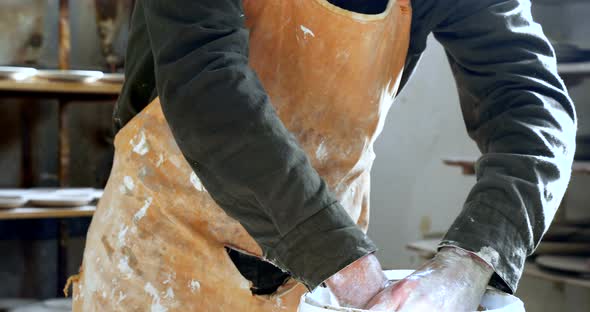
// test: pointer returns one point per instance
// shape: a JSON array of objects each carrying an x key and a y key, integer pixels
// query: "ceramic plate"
[
  {"x": 47, "y": 306},
  {"x": 75, "y": 191},
  {"x": 68, "y": 191},
  {"x": 57, "y": 200},
  {"x": 14, "y": 192},
  {"x": 98, "y": 193},
  {"x": 17, "y": 73},
  {"x": 48, "y": 197},
  {"x": 61, "y": 304},
  {"x": 113, "y": 78},
  {"x": 8, "y": 202},
  {"x": 70, "y": 75}
]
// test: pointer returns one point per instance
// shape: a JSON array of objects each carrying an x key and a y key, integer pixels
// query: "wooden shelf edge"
[
  {"x": 46, "y": 213},
  {"x": 45, "y": 86}
]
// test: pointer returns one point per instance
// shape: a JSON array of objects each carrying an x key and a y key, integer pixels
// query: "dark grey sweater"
[{"x": 194, "y": 55}]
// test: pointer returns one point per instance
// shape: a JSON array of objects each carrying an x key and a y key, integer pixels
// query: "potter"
[{"x": 247, "y": 128}]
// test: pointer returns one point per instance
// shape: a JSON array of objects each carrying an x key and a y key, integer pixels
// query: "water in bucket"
[{"x": 322, "y": 300}]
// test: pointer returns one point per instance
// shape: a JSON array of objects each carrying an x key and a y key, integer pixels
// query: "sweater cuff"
[
  {"x": 492, "y": 237},
  {"x": 321, "y": 246}
]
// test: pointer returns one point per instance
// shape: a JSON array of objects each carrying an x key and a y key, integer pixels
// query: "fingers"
[
  {"x": 355, "y": 285},
  {"x": 393, "y": 297}
]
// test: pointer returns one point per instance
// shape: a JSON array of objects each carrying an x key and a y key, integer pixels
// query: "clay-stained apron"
[{"x": 156, "y": 242}]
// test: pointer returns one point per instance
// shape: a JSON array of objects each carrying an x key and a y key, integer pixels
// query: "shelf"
[
  {"x": 531, "y": 269},
  {"x": 468, "y": 165},
  {"x": 45, "y": 86},
  {"x": 46, "y": 213},
  {"x": 582, "y": 68}
]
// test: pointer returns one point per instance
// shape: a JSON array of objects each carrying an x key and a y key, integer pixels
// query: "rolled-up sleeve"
[
  {"x": 518, "y": 111},
  {"x": 227, "y": 129}
]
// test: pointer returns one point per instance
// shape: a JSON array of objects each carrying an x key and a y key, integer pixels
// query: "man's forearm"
[{"x": 518, "y": 111}]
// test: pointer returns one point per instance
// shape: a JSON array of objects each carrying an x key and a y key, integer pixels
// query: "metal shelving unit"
[{"x": 65, "y": 93}]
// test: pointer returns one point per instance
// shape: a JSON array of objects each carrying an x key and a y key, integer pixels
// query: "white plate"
[
  {"x": 15, "y": 192},
  {"x": 48, "y": 197},
  {"x": 8, "y": 202},
  {"x": 113, "y": 78},
  {"x": 98, "y": 193},
  {"x": 57, "y": 200},
  {"x": 17, "y": 73},
  {"x": 53, "y": 305},
  {"x": 70, "y": 75},
  {"x": 74, "y": 191},
  {"x": 59, "y": 303},
  {"x": 82, "y": 191}
]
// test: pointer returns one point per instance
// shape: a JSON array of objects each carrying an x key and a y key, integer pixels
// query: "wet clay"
[{"x": 156, "y": 242}]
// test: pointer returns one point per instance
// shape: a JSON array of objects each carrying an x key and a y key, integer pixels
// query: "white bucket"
[{"x": 322, "y": 300}]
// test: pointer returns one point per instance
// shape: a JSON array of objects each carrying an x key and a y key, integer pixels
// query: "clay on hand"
[
  {"x": 358, "y": 283},
  {"x": 455, "y": 280}
]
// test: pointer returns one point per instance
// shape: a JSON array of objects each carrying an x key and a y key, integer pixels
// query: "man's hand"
[
  {"x": 455, "y": 280},
  {"x": 358, "y": 283}
]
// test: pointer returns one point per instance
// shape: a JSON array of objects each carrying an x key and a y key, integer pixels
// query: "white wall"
[{"x": 410, "y": 184}]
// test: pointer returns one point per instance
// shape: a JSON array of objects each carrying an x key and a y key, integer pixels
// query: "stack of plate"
[
  {"x": 566, "y": 249},
  {"x": 9, "y": 304},
  {"x": 578, "y": 265},
  {"x": 13, "y": 198},
  {"x": 52, "y": 305},
  {"x": 113, "y": 78},
  {"x": 85, "y": 76},
  {"x": 48, "y": 197},
  {"x": 16, "y": 73}
]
